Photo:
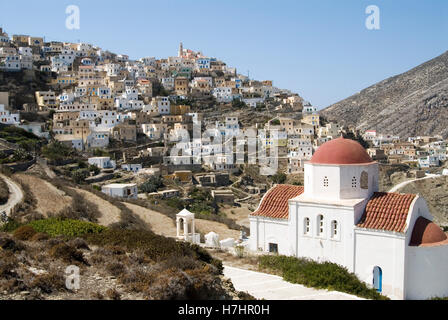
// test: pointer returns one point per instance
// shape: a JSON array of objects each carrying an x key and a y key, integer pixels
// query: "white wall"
[
  {"x": 383, "y": 249},
  {"x": 323, "y": 247},
  {"x": 426, "y": 272},
  {"x": 339, "y": 181},
  {"x": 266, "y": 230}
]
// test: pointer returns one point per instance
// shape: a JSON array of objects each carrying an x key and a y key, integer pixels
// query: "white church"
[{"x": 387, "y": 239}]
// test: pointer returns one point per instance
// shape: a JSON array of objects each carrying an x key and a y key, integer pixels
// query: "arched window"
[
  {"x": 320, "y": 225},
  {"x": 326, "y": 182},
  {"x": 334, "y": 229},
  {"x": 306, "y": 229},
  {"x": 354, "y": 182},
  {"x": 364, "y": 180}
]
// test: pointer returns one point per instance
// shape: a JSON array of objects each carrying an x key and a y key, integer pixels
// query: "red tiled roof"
[
  {"x": 387, "y": 211},
  {"x": 275, "y": 202}
]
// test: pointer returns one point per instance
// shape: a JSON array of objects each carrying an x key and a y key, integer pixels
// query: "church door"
[{"x": 378, "y": 278}]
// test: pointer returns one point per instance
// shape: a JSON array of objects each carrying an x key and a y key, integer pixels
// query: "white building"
[
  {"x": 102, "y": 162},
  {"x": 121, "y": 190},
  {"x": 387, "y": 239},
  {"x": 6, "y": 117},
  {"x": 132, "y": 167}
]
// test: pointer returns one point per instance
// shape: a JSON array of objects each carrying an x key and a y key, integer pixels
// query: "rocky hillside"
[{"x": 412, "y": 103}]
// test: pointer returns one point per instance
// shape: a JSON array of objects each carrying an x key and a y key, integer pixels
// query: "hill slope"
[{"x": 409, "y": 104}]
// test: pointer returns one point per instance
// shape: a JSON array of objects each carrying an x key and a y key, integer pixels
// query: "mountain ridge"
[{"x": 408, "y": 104}]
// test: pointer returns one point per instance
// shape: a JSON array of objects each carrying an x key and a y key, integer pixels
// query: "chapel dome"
[
  {"x": 426, "y": 232},
  {"x": 341, "y": 151}
]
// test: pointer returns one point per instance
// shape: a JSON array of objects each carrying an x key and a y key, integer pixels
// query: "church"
[{"x": 387, "y": 239}]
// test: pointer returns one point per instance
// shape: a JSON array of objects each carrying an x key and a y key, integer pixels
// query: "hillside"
[{"x": 409, "y": 104}]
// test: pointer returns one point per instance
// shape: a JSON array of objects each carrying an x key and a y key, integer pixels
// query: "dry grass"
[
  {"x": 49, "y": 198},
  {"x": 110, "y": 214},
  {"x": 158, "y": 222}
]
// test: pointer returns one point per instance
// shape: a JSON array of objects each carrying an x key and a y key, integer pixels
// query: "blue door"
[{"x": 378, "y": 279}]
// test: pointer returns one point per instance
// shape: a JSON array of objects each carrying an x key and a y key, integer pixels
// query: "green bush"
[
  {"x": 80, "y": 175},
  {"x": 279, "y": 178},
  {"x": 66, "y": 227},
  {"x": 10, "y": 226},
  {"x": 319, "y": 275},
  {"x": 56, "y": 151},
  {"x": 151, "y": 185}
]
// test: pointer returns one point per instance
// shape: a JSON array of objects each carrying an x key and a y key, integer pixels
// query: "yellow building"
[
  {"x": 179, "y": 109},
  {"x": 46, "y": 99}
]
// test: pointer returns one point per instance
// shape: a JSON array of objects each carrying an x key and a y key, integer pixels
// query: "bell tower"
[{"x": 181, "y": 50}]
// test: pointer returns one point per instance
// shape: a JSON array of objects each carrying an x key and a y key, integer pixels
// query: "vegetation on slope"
[
  {"x": 136, "y": 263},
  {"x": 319, "y": 275},
  {"x": 4, "y": 192}
]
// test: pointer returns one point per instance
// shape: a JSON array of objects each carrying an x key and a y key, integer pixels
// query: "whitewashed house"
[
  {"x": 121, "y": 190},
  {"x": 387, "y": 239},
  {"x": 6, "y": 117},
  {"x": 102, "y": 162}
]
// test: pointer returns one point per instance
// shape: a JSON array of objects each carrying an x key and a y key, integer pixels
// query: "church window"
[
  {"x": 354, "y": 182},
  {"x": 307, "y": 226},
  {"x": 326, "y": 182},
  {"x": 364, "y": 180},
  {"x": 320, "y": 224},
  {"x": 334, "y": 229}
]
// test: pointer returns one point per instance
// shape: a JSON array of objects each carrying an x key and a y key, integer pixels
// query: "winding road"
[
  {"x": 15, "y": 195},
  {"x": 404, "y": 183}
]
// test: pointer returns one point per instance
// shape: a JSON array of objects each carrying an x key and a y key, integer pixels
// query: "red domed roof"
[
  {"x": 427, "y": 233},
  {"x": 341, "y": 151}
]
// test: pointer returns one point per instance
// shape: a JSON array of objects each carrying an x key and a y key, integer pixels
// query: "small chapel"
[{"x": 389, "y": 240}]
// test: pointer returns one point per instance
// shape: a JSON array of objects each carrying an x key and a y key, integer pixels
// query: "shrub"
[
  {"x": 48, "y": 283},
  {"x": 115, "y": 268},
  {"x": 66, "y": 227},
  {"x": 80, "y": 175},
  {"x": 57, "y": 151},
  {"x": 66, "y": 253},
  {"x": 40, "y": 236},
  {"x": 113, "y": 294},
  {"x": 155, "y": 247},
  {"x": 279, "y": 178},
  {"x": 152, "y": 184},
  {"x": 4, "y": 191},
  {"x": 319, "y": 275},
  {"x": 6, "y": 243},
  {"x": 24, "y": 233},
  {"x": 8, "y": 262},
  {"x": 10, "y": 226}
]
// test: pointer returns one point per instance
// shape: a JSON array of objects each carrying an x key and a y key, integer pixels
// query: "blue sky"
[{"x": 320, "y": 49}]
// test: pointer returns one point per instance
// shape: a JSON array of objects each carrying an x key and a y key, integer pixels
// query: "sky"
[{"x": 320, "y": 49}]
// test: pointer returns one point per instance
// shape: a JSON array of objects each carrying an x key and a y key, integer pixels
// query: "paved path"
[
  {"x": 15, "y": 195},
  {"x": 401, "y": 185},
  {"x": 270, "y": 287}
]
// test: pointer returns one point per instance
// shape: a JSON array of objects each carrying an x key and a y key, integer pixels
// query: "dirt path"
[
  {"x": 15, "y": 195},
  {"x": 49, "y": 198},
  {"x": 109, "y": 213}
]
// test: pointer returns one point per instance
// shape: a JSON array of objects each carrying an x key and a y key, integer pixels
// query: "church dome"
[
  {"x": 341, "y": 151},
  {"x": 427, "y": 233}
]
